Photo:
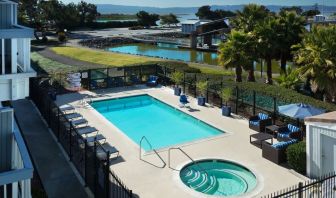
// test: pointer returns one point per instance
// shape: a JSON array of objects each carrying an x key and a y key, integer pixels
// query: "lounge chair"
[
  {"x": 91, "y": 139},
  {"x": 183, "y": 100},
  {"x": 86, "y": 130},
  {"x": 66, "y": 108},
  {"x": 289, "y": 131},
  {"x": 259, "y": 122},
  {"x": 79, "y": 122},
  {"x": 106, "y": 147},
  {"x": 277, "y": 152},
  {"x": 152, "y": 81},
  {"x": 72, "y": 116}
]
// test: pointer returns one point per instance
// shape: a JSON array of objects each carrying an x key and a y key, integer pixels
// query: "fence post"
[
  {"x": 195, "y": 80},
  {"x": 274, "y": 110},
  {"x": 237, "y": 99},
  {"x": 207, "y": 92},
  {"x": 165, "y": 74},
  {"x": 300, "y": 190},
  {"x": 131, "y": 194},
  {"x": 254, "y": 102},
  {"x": 85, "y": 162},
  {"x": 89, "y": 79},
  {"x": 70, "y": 140},
  {"x": 107, "y": 178},
  {"x": 95, "y": 168},
  {"x": 58, "y": 124},
  {"x": 184, "y": 82}
]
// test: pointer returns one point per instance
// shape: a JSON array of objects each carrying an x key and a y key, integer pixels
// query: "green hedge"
[{"x": 296, "y": 156}]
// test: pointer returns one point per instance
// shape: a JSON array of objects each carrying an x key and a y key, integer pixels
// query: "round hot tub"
[{"x": 218, "y": 177}]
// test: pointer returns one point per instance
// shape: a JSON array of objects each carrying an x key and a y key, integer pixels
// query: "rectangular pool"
[{"x": 163, "y": 125}]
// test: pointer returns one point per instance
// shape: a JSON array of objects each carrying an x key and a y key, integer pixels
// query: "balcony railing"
[{"x": 15, "y": 182}]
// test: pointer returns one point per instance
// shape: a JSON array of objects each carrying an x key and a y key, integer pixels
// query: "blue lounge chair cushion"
[
  {"x": 255, "y": 123},
  {"x": 293, "y": 128},
  {"x": 184, "y": 99},
  {"x": 280, "y": 145},
  {"x": 263, "y": 116}
]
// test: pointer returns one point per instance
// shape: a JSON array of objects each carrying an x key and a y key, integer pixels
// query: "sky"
[{"x": 196, "y": 3}]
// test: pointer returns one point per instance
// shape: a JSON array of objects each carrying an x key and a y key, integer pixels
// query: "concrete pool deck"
[{"x": 146, "y": 177}]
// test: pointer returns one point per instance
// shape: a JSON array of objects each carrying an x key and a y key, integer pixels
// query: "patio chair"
[
  {"x": 79, "y": 122},
  {"x": 289, "y": 131},
  {"x": 72, "y": 116},
  {"x": 66, "y": 108},
  {"x": 259, "y": 122},
  {"x": 276, "y": 153},
  {"x": 134, "y": 79},
  {"x": 106, "y": 147},
  {"x": 86, "y": 130},
  {"x": 152, "y": 81},
  {"x": 183, "y": 100}
]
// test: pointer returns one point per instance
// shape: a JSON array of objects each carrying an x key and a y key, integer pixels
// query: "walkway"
[{"x": 56, "y": 174}]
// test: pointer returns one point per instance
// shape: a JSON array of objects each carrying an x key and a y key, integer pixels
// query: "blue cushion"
[
  {"x": 280, "y": 145},
  {"x": 283, "y": 135},
  {"x": 183, "y": 99},
  {"x": 255, "y": 123},
  {"x": 262, "y": 116},
  {"x": 293, "y": 128}
]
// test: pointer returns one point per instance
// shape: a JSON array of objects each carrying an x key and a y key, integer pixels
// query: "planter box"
[
  {"x": 201, "y": 101},
  {"x": 226, "y": 111},
  {"x": 177, "y": 91}
]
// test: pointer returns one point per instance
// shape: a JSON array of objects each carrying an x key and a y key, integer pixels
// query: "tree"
[
  {"x": 297, "y": 9},
  {"x": 205, "y": 12},
  {"x": 146, "y": 19},
  {"x": 87, "y": 12},
  {"x": 235, "y": 52},
  {"x": 267, "y": 45},
  {"x": 316, "y": 56},
  {"x": 291, "y": 28},
  {"x": 29, "y": 14},
  {"x": 169, "y": 19},
  {"x": 310, "y": 13},
  {"x": 250, "y": 16}
]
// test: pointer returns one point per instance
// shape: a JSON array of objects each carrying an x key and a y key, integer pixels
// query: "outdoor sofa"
[
  {"x": 289, "y": 131},
  {"x": 152, "y": 81},
  {"x": 259, "y": 122},
  {"x": 276, "y": 153}
]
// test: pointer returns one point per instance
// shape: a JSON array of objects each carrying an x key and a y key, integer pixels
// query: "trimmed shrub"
[{"x": 296, "y": 156}]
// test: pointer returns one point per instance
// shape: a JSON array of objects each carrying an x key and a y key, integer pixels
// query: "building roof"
[
  {"x": 329, "y": 118},
  {"x": 190, "y": 21}
]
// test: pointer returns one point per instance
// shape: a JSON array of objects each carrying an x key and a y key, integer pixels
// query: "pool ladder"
[
  {"x": 188, "y": 156},
  {"x": 151, "y": 148}
]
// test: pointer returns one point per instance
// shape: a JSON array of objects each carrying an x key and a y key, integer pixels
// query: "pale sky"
[{"x": 196, "y": 3}]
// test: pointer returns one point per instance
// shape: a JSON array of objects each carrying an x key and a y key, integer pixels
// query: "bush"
[{"x": 296, "y": 156}]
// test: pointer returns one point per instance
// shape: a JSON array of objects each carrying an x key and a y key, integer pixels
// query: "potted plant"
[
  {"x": 177, "y": 78},
  {"x": 226, "y": 94},
  {"x": 202, "y": 88}
]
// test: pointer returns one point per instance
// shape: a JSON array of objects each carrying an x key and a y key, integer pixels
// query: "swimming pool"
[{"x": 163, "y": 125}]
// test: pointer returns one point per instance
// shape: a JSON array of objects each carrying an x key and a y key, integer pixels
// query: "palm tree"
[
  {"x": 290, "y": 33},
  {"x": 267, "y": 45},
  {"x": 250, "y": 16},
  {"x": 246, "y": 21},
  {"x": 236, "y": 53},
  {"x": 316, "y": 56}
]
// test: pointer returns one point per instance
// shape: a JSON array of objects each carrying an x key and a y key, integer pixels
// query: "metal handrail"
[
  {"x": 151, "y": 148},
  {"x": 193, "y": 161}
]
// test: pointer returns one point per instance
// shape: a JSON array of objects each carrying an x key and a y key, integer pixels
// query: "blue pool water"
[
  {"x": 162, "y": 124},
  {"x": 218, "y": 177}
]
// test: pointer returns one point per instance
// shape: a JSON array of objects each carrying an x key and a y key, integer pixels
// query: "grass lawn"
[
  {"x": 50, "y": 66},
  {"x": 275, "y": 66}
]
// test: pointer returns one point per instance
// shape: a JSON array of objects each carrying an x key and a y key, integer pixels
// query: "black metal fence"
[
  {"x": 95, "y": 171},
  {"x": 324, "y": 187}
]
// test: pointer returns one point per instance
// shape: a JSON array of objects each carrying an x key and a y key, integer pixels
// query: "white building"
[
  {"x": 191, "y": 25},
  {"x": 16, "y": 169},
  {"x": 319, "y": 18},
  {"x": 321, "y": 144},
  {"x": 15, "y": 69}
]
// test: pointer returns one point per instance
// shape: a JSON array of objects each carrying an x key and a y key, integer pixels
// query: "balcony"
[{"x": 16, "y": 169}]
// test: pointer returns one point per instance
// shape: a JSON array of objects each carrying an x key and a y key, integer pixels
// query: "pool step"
[
  {"x": 212, "y": 185},
  {"x": 200, "y": 183},
  {"x": 195, "y": 178}
]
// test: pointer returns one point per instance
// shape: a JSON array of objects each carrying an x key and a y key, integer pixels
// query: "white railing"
[{"x": 17, "y": 180}]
